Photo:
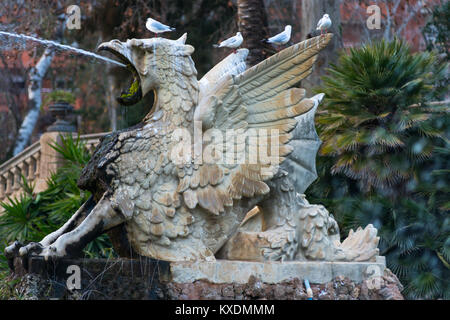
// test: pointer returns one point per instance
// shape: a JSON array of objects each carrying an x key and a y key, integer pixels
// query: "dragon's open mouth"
[{"x": 134, "y": 93}]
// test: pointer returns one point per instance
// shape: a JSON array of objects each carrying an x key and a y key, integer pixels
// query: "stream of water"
[{"x": 50, "y": 43}]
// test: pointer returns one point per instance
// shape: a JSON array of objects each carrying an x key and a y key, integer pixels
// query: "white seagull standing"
[
  {"x": 281, "y": 38},
  {"x": 324, "y": 23},
  {"x": 233, "y": 42},
  {"x": 157, "y": 27}
]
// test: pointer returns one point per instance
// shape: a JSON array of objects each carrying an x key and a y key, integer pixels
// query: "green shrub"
[
  {"x": 377, "y": 125},
  {"x": 385, "y": 158}
]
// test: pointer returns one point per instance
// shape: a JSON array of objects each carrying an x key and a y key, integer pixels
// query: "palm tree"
[
  {"x": 377, "y": 119},
  {"x": 385, "y": 158},
  {"x": 252, "y": 23}
]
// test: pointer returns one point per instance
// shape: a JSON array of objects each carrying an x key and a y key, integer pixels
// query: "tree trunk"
[
  {"x": 252, "y": 23},
  {"x": 312, "y": 12},
  {"x": 37, "y": 74}
]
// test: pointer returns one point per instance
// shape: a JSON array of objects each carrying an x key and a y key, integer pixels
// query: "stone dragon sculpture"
[{"x": 195, "y": 210}]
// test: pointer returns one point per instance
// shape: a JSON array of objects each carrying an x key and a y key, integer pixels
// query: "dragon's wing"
[
  {"x": 234, "y": 64},
  {"x": 301, "y": 163},
  {"x": 262, "y": 97}
]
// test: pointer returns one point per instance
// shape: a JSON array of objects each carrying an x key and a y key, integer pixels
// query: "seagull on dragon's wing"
[
  {"x": 157, "y": 27},
  {"x": 324, "y": 23},
  {"x": 233, "y": 42},
  {"x": 281, "y": 38}
]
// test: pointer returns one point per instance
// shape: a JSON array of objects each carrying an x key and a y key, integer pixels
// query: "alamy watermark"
[
  {"x": 374, "y": 21},
  {"x": 252, "y": 146},
  {"x": 374, "y": 274},
  {"x": 73, "y": 21},
  {"x": 74, "y": 280}
]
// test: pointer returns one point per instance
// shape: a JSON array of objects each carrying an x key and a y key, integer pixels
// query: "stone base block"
[
  {"x": 227, "y": 271},
  {"x": 154, "y": 279}
]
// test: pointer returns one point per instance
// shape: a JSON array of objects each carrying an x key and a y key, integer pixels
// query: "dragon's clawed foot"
[
  {"x": 12, "y": 250},
  {"x": 32, "y": 247},
  {"x": 18, "y": 250},
  {"x": 52, "y": 253}
]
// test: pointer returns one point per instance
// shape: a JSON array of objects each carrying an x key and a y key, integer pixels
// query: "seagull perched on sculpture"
[
  {"x": 157, "y": 27},
  {"x": 324, "y": 24},
  {"x": 281, "y": 38},
  {"x": 233, "y": 42}
]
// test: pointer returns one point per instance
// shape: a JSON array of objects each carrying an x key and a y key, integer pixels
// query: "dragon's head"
[{"x": 153, "y": 63}]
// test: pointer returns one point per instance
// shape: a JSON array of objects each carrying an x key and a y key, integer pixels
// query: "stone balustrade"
[
  {"x": 36, "y": 163},
  {"x": 27, "y": 163}
]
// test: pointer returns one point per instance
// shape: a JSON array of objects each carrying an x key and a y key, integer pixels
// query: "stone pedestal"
[
  {"x": 155, "y": 279},
  {"x": 91, "y": 279},
  {"x": 316, "y": 272},
  {"x": 50, "y": 160}
]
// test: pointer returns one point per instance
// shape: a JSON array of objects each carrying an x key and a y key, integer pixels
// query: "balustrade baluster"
[
  {"x": 17, "y": 178},
  {"x": 37, "y": 157},
  {"x": 31, "y": 163},
  {"x": 9, "y": 183},
  {"x": 24, "y": 169},
  {"x": 2, "y": 187}
]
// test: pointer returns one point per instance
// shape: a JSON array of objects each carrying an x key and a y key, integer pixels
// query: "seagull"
[
  {"x": 157, "y": 27},
  {"x": 281, "y": 38},
  {"x": 324, "y": 23},
  {"x": 233, "y": 42}
]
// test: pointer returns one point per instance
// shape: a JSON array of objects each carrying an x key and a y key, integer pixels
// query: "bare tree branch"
[
  {"x": 34, "y": 96},
  {"x": 413, "y": 12},
  {"x": 387, "y": 30},
  {"x": 12, "y": 99},
  {"x": 37, "y": 74}
]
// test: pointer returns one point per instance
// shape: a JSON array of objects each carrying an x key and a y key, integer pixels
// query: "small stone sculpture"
[{"x": 156, "y": 193}]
